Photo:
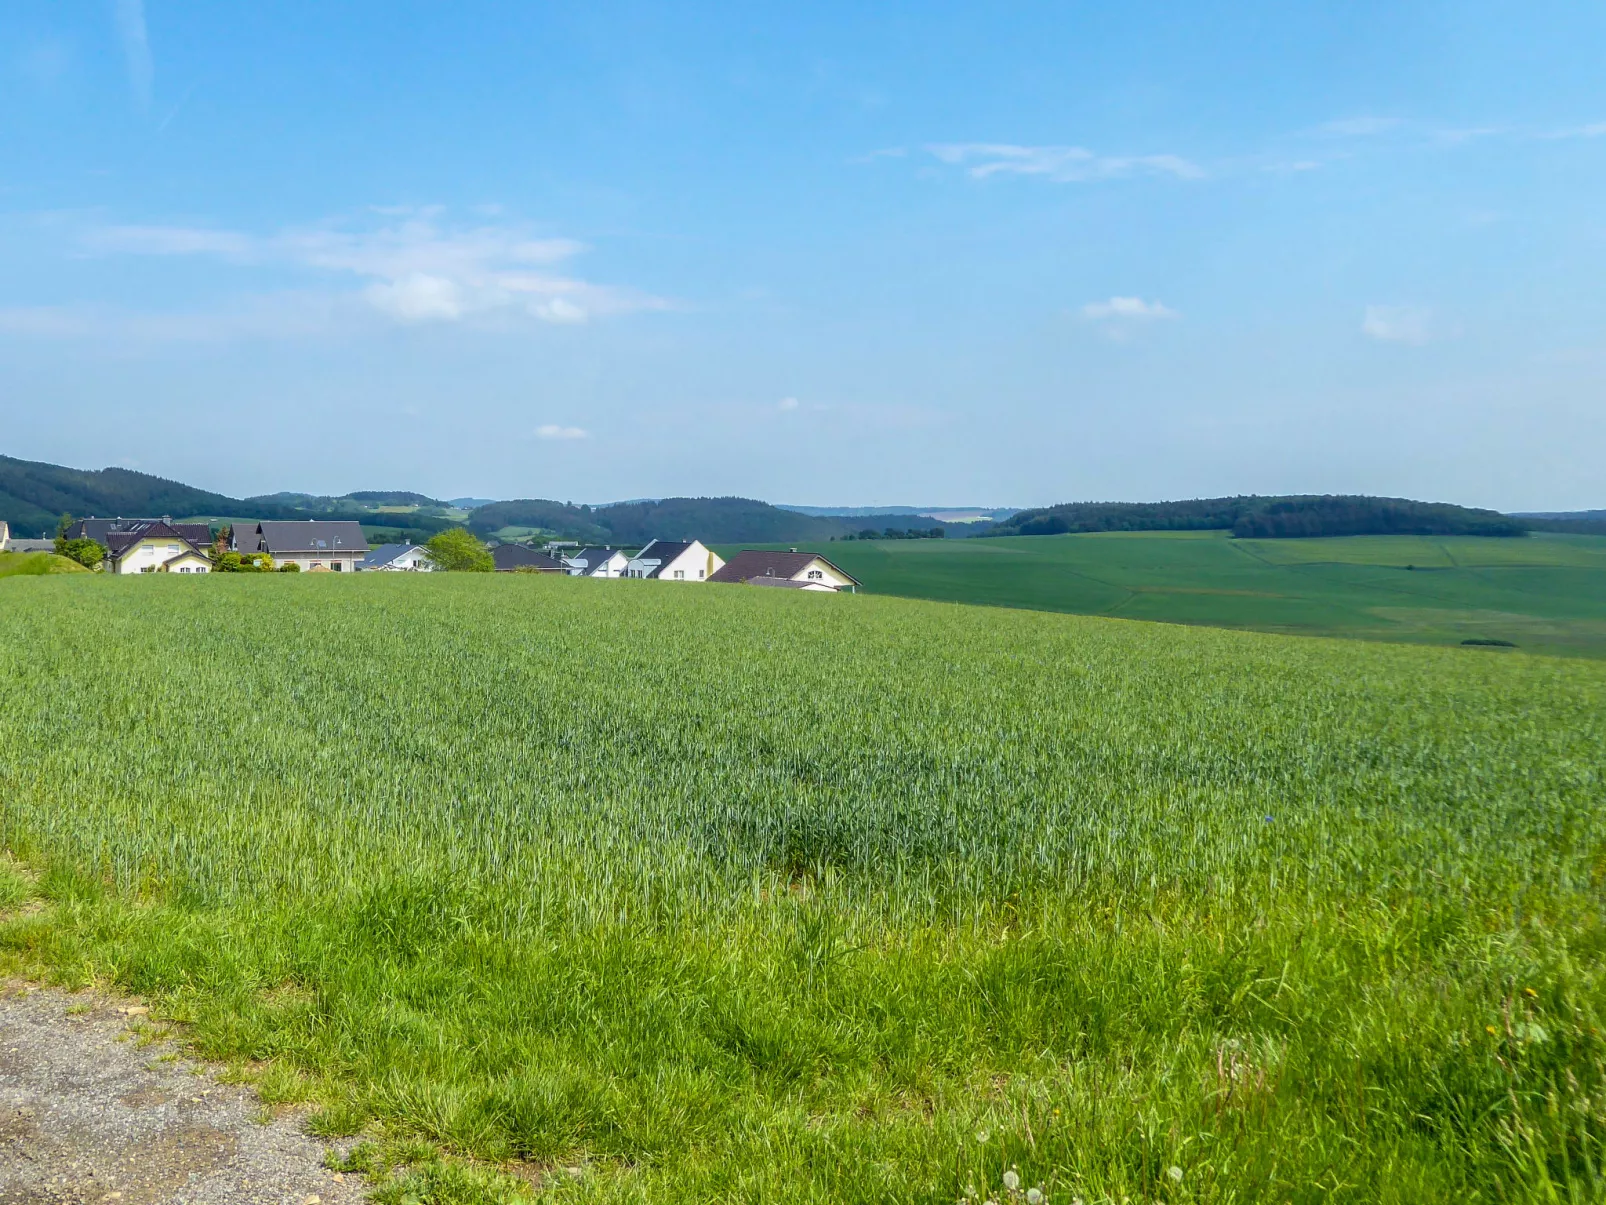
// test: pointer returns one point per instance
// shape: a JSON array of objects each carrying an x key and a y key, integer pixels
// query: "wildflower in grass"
[
  {"x": 1491, "y": 1031},
  {"x": 1034, "y": 1196},
  {"x": 1530, "y": 993},
  {"x": 982, "y": 1135},
  {"x": 1175, "y": 1173},
  {"x": 1012, "y": 1180}
]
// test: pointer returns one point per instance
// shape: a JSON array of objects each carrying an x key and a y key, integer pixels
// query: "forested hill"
[
  {"x": 712, "y": 520},
  {"x": 34, "y": 496},
  {"x": 1251, "y": 516}
]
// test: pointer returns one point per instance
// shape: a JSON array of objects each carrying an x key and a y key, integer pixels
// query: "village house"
[
  {"x": 101, "y": 530},
  {"x": 790, "y": 570},
  {"x": 312, "y": 544},
  {"x": 674, "y": 561},
  {"x": 397, "y": 558},
  {"x": 597, "y": 562},
  {"x": 154, "y": 547},
  {"x": 512, "y": 558}
]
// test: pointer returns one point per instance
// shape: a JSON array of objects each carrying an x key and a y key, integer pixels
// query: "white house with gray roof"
[
  {"x": 314, "y": 544},
  {"x": 398, "y": 558},
  {"x": 597, "y": 562},
  {"x": 675, "y": 561}
]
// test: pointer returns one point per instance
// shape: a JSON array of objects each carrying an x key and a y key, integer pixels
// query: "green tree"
[
  {"x": 87, "y": 553},
  {"x": 456, "y": 550}
]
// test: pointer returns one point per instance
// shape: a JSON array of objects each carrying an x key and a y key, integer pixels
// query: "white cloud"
[
  {"x": 1133, "y": 309},
  {"x": 136, "y": 49},
  {"x": 417, "y": 297},
  {"x": 1059, "y": 163},
  {"x": 787, "y": 403},
  {"x": 1398, "y": 324},
  {"x": 560, "y": 310},
  {"x": 415, "y": 269},
  {"x": 554, "y": 431}
]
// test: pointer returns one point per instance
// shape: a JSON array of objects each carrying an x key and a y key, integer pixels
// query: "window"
[
  {"x": 336, "y": 566},
  {"x": 814, "y": 574},
  {"x": 680, "y": 575},
  {"x": 700, "y": 573}
]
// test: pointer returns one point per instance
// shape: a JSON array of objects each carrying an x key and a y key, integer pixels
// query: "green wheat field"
[
  {"x": 1544, "y": 593},
  {"x": 617, "y": 891}
]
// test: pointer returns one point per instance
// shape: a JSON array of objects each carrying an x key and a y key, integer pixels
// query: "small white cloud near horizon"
[
  {"x": 1062, "y": 164},
  {"x": 1398, "y": 324},
  {"x": 136, "y": 49},
  {"x": 1133, "y": 309},
  {"x": 786, "y": 403},
  {"x": 554, "y": 431}
]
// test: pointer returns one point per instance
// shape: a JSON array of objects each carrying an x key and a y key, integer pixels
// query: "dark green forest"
[{"x": 1254, "y": 517}]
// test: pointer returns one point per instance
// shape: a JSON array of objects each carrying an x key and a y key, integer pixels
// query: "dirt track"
[{"x": 85, "y": 1117}]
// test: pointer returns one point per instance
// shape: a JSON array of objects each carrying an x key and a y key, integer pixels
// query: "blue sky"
[{"x": 857, "y": 254}]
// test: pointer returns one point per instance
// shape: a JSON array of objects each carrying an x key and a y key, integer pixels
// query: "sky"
[{"x": 837, "y": 253}]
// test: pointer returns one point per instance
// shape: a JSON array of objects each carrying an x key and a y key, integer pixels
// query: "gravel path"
[{"x": 85, "y": 1117}]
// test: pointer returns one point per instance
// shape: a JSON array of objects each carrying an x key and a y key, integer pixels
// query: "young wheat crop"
[{"x": 734, "y": 897}]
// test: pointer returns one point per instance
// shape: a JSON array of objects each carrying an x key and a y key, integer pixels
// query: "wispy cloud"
[
  {"x": 786, "y": 403},
  {"x": 1365, "y": 126},
  {"x": 136, "y": 49},
  {"x": 1062, "y": 164},
  {"x": 1129, "y": 309},
  {"x": 1398, "y": 324},
  {"x": 416, "y": 269},
  {"x": 554, "y": 431}
]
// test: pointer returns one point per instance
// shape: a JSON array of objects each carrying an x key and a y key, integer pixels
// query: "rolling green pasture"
[
  {"x": 723, "y": 895},
  {"x": 36, "y": 564},
  {"x": 1545, "y": 593}
]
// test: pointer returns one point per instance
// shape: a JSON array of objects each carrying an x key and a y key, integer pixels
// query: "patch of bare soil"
[{"x": 86, "y": 1117}]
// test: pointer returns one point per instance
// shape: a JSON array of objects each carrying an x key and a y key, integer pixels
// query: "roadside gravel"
[{"x": 87, "y": 1114}]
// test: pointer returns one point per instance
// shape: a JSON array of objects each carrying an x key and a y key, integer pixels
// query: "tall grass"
[{"x": 731, "y": 897}]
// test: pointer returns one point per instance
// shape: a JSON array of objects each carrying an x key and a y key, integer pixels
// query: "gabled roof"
[
  {"x": 101, "y": 530},
  {"x": 518, "y": 556},
  {"x": 119, "y": 542},
  {"x": 589, "y": 560},
  {"x": 311, "y": 537},
  {"x": 751, "y": 563},
  {"x": 662, "y": 551},
  {"x": 385, "y": 554}
]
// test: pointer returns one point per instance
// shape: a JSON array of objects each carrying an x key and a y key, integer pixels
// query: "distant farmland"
[
  {"x": 1545, "y": 593},
  {"x": 726, "y": 894}
]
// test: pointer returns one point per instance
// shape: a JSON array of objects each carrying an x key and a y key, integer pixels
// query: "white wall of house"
[
  {"x": 338, "y": 560},
  {"x": 696, "y": 564},
  {"x": 187, "y": 562},
  {"x": 819, "y": 571},
  {"x": 148, "y": 556}
]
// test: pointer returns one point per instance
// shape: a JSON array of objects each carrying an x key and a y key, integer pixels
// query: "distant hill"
[
  {"x": 875, "y": 512},
  {"x": 34, "y": 496},
  {"x": 713, "y": 520},
  {"x": 1580, "y": 522},
  {"x": 1251, "y": 516}
]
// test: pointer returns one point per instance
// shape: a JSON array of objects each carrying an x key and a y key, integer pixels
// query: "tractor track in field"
[{"x": 96, "y": 1107}]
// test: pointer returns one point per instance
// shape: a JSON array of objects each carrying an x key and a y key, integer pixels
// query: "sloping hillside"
[{"x": 34, "y": 495}]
